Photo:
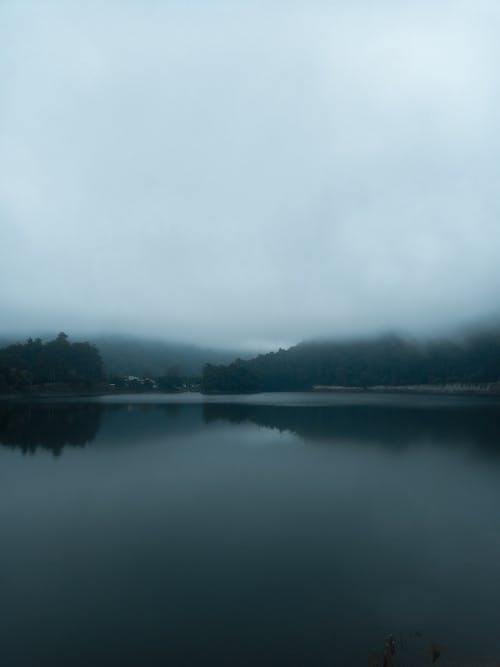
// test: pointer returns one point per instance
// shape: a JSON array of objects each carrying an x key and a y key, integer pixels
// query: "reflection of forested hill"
[
  {"x": 471, "y": 422},
  {"x": 54, "y": 426},
  {"x": 48, "y": 426},
  {"x": 453, "y": 422}
]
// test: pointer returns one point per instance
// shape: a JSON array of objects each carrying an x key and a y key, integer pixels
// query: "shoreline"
[
  {"x": 455, "y": 388},
  {"x": 491, "y": 389}
]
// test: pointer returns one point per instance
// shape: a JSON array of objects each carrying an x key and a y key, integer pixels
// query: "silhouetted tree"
[{"x": 25, "y": 364}]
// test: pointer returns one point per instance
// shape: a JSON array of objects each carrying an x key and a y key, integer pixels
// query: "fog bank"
[{"x": 250, "y": 175}]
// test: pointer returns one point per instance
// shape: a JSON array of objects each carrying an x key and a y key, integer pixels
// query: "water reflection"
[
  {"x": 33, "y": 426},
  {"x": 254, "y": 531},
  {"x": 472, "y": 424}
]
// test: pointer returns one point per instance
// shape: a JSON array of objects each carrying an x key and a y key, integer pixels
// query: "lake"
[{"x": 273, "y": 529}]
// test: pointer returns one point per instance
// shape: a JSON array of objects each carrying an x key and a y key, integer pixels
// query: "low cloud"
[{"x": 234, "y": 174}]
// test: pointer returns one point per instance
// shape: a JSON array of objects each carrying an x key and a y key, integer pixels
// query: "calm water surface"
[{"x": 290, "y": 529}]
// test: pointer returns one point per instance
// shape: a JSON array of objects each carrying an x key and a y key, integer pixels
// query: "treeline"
[
  {"x": 388, "y": 360},
  {"x": 35, "y": 363}
]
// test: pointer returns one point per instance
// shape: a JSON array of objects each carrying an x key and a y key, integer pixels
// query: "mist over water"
[{"x": 272, "y": 530}]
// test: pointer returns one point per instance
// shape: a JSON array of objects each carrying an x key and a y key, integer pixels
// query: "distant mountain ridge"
[{"x": 151, "y": 358}]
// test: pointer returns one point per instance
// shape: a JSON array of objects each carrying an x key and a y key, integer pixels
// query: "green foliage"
[
  {"x": 171, "y": 380},
  {"x": 57, "y": 361},
  {"x": 236, "y": 377},
  {"x": 385, "y": 361}
]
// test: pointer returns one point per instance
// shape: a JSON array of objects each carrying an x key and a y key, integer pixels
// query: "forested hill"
[
  {"x": 34, "y": 362},
  {"x": 146, "y": 357},
  {"x": 388, "y": 360},
  {"x": 129, "y": 355}
]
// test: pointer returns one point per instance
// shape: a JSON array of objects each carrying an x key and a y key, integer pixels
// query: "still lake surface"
[{"x": 278, "y": 529}]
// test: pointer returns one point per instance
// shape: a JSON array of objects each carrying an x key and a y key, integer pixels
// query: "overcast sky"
[{"x": 249, "y": 173}]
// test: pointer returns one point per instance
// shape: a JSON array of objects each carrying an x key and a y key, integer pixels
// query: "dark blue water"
[{"x": 290, "y": 529}]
